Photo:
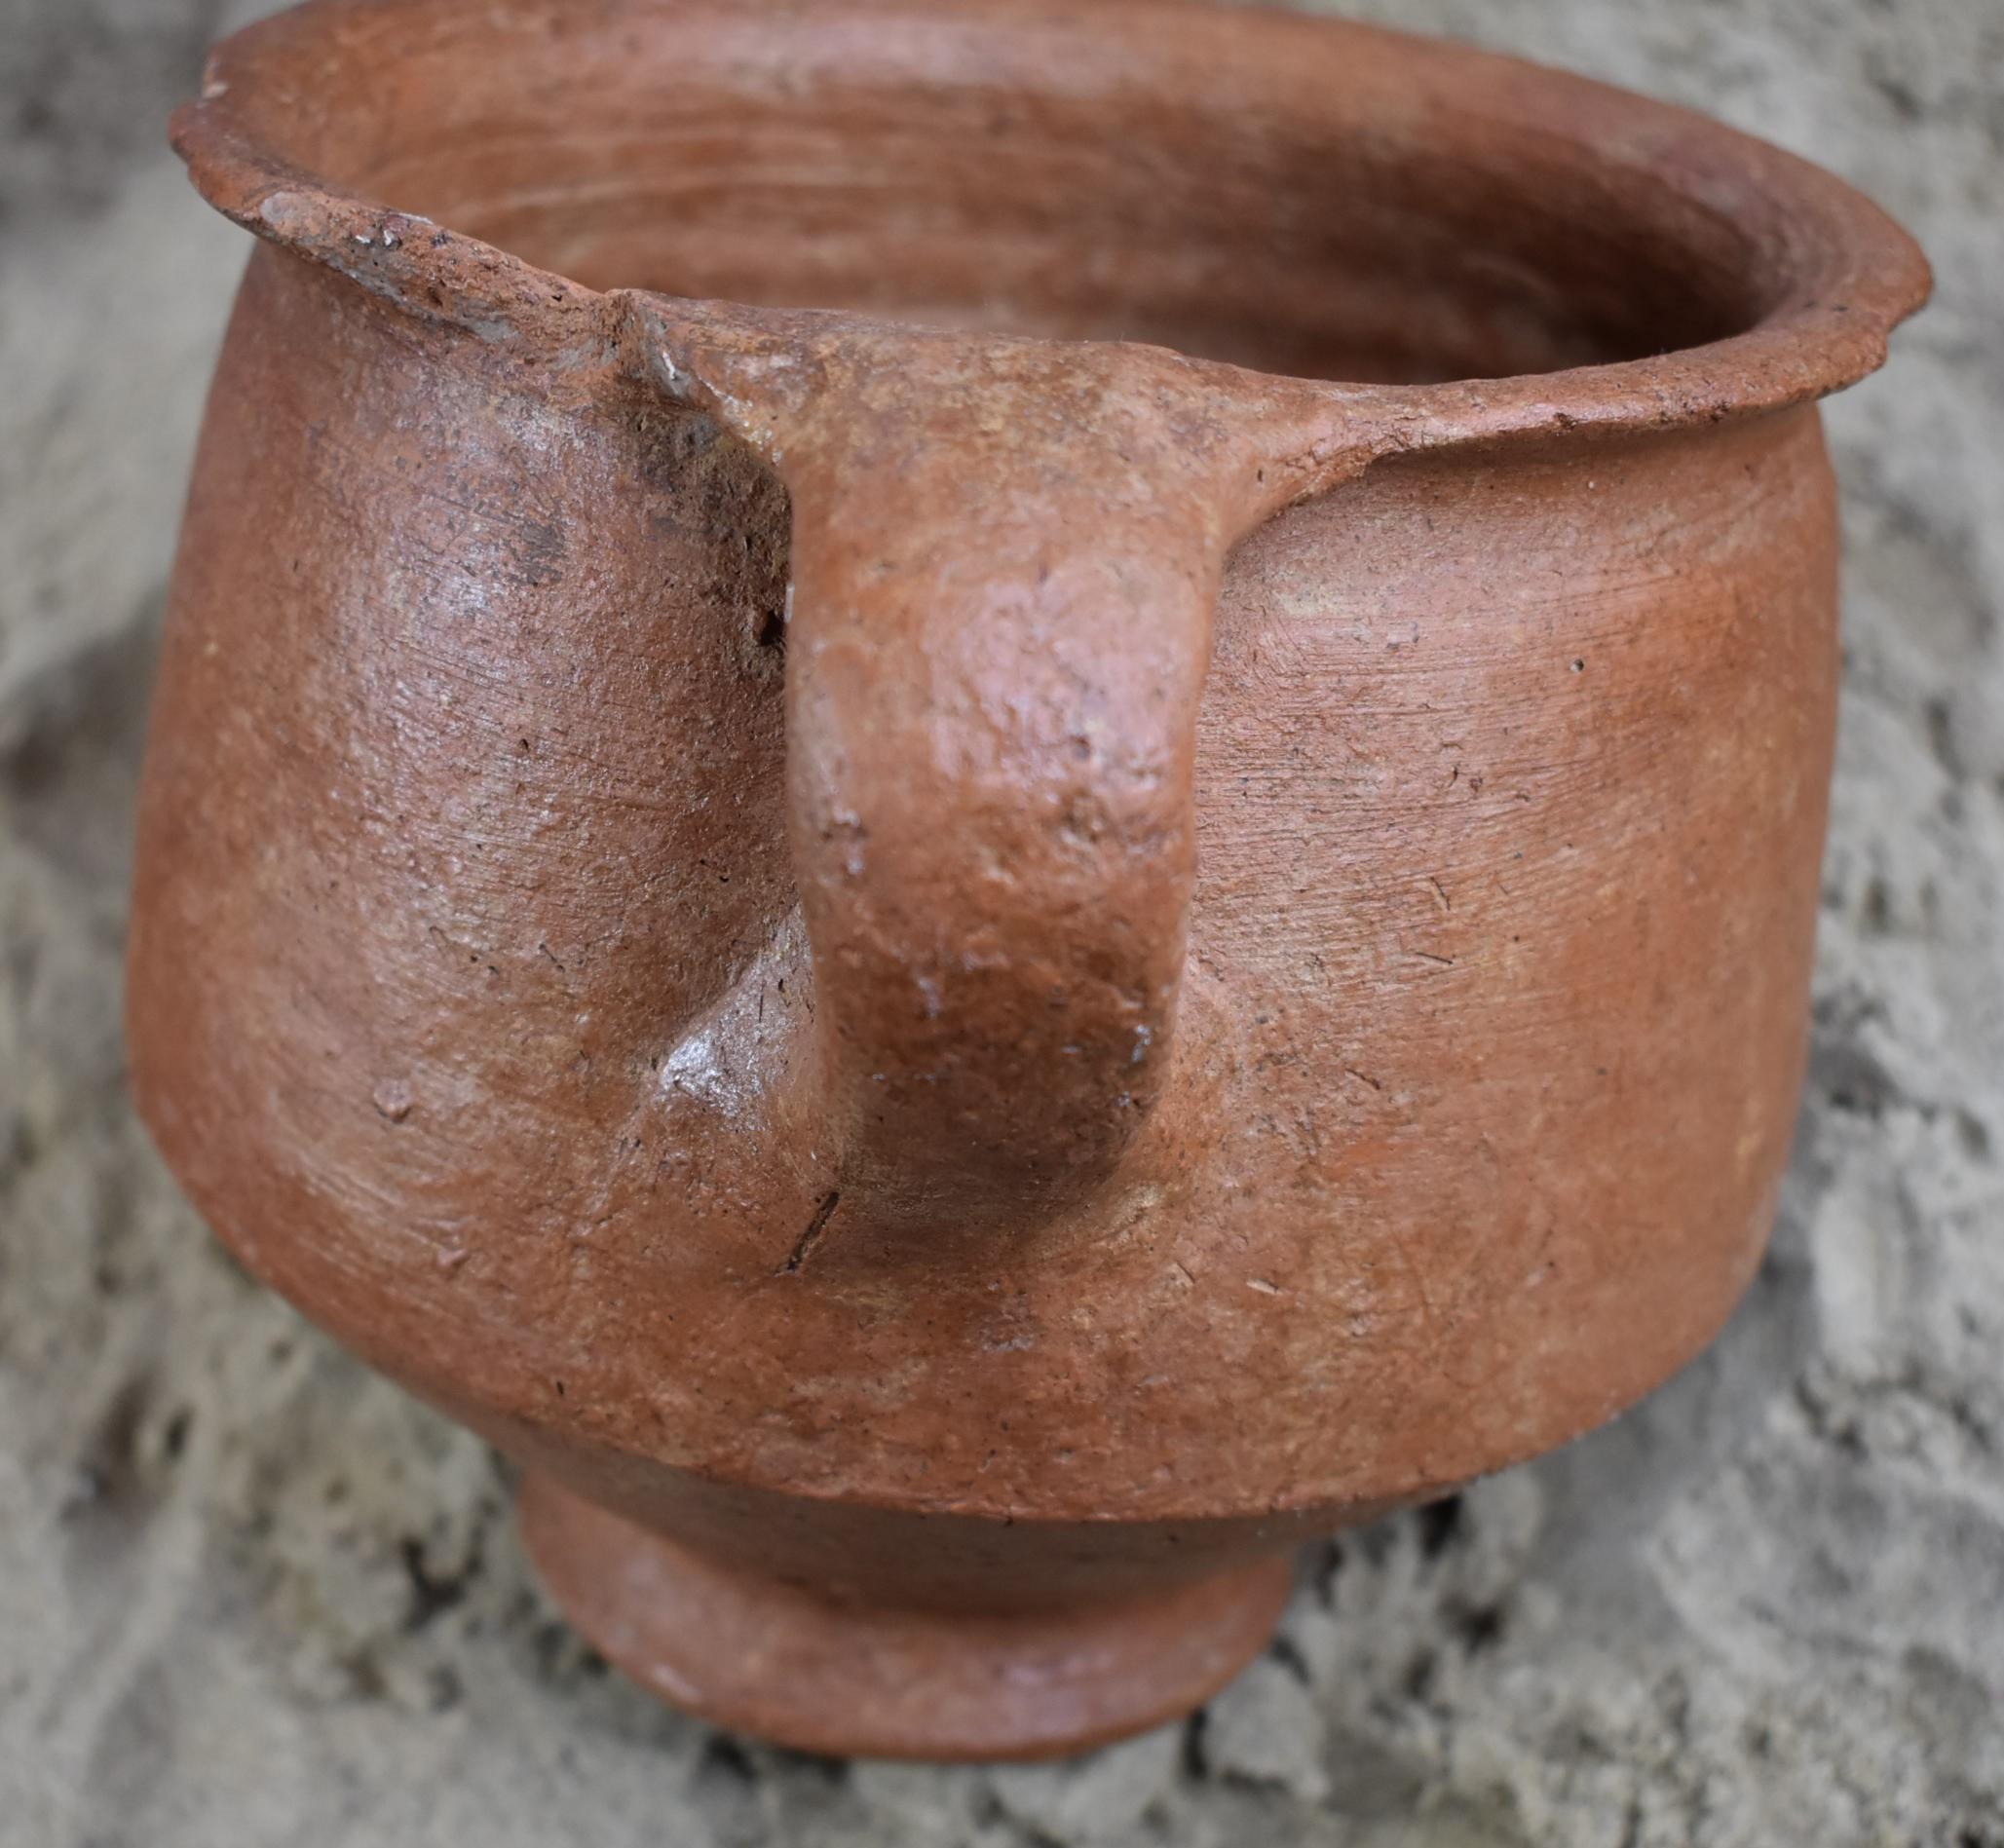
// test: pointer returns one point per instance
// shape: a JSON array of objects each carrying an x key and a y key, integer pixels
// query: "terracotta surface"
[{"x": 981, "y": 973}]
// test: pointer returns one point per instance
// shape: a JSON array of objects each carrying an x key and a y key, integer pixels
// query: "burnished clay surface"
[{"x": 977, "y": 969}]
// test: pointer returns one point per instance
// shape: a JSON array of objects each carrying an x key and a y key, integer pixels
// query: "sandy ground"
[{"x": 250, "y": 1594}]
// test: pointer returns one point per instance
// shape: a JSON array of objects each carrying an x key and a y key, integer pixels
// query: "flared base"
[{"x": 750, "y": 1653}]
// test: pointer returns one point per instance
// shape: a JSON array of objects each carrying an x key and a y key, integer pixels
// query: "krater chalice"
[{"x": 983, "y": 805}]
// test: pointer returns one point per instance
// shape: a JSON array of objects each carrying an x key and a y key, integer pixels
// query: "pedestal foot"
[{"x": 748, "y": 1652}]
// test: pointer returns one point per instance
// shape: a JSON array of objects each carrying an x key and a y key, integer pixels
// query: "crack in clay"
[{"x": 811, "y": 1237}]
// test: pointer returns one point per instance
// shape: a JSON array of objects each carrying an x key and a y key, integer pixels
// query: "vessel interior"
[{"x": 1364, "y": 223}]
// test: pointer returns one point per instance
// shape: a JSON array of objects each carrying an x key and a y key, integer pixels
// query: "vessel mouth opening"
[{"x": 1295, "y": 196}]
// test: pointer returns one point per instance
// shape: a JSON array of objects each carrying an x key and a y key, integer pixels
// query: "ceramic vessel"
[{"x": 983, "y": 805}]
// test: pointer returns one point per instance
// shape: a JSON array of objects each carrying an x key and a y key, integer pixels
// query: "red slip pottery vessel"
[{"x": 983, "y": 805}]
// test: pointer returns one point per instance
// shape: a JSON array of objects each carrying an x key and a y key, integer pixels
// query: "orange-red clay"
[{"x": 981, "y": 805}]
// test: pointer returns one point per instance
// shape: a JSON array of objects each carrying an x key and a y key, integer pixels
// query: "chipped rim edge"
[{"x": 1850, "y": 276}]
